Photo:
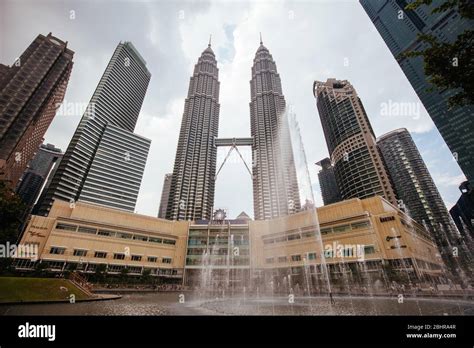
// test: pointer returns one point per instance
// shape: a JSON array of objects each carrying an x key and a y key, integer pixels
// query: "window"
[
  {"x": 152, "y": 259},
  {"x": 57, "y": 250},
  {"x": 295, "y": 257},
  {"x": 155, "y": 240},
  {"x": 312, "y": 256},
  {"x": 119, "y": 256},
  {"x": 106, "y": 233},
  {"x": 66, "y": 227},
  {"x": 341, "y": 229},
  {"x": 268, "y": 241},
  {"x": 282, "y": 259},
  {"x": 166, "y": 260},
  {"x": 100, "y": 254},
  {"x": 169, "y": 241},
  {"x": 124, "y": 235},
  {"x": 326, "y": 230},
  {"x": 269, "y": 260},
  {"x": 140, "y": 237},
  {"x": 80, "y": 252},
  {"x": 359, "y": 225},
  {"x": 369, "y": 249},
  {"x": 294, "y": 236},
  {"x": 308, "y": 234},
  {"x": 88, "y": 230},
  {"x": 136, "y": 258}
]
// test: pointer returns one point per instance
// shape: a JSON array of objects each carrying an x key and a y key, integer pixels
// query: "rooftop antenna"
[
  {"x": 261, "y": 42},
  {"x": 210, "y": 37}
]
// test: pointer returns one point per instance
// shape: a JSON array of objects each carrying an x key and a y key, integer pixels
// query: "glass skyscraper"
[
  {"x": 399, "y": 29},
  {"x": 104, "y": 161}
]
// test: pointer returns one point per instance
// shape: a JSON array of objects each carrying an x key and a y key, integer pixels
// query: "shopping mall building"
[{"x": 356, "y": 238}]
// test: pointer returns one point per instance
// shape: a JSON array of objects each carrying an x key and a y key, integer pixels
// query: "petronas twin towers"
[{"x": 275, "y": 186}]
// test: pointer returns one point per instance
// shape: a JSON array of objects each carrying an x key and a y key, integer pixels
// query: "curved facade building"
[
  {"x": 275, "y": 185},
  {"x": 358, "y": 165},
  {"x": 191, "y": 194}
]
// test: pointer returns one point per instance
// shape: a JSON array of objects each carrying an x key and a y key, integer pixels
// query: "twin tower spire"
[{"x": 192, "y": 184}]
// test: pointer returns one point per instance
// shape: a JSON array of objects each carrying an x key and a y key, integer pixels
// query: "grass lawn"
[{"x": 16, "y": 289}]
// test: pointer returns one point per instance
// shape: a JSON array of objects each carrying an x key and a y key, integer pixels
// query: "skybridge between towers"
[{"x": 234, "y": 144}]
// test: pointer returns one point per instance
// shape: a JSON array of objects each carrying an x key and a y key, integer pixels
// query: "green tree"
[
  {"x": 12, "y": 214},
  {"x": 449, "y": 65}
]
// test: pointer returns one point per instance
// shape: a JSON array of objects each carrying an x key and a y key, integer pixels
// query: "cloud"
[{"x": 308, "y": 39}]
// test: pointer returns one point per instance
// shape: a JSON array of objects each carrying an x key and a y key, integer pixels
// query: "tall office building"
[
  {"x": 104, "y": 161},
  {"x": 38, "y": 172},
  {"x": 358, "y": 164},
  {"x": 165, "y": 194},
  {"x": 400, "y": 29},
  {"x": 416, "y": 190},
  {"x": 275, "y": 184},
  {"x": 30, "y": 93},
  {"x": 327, "y": 182},
  {"x": 191, "y": 194}
]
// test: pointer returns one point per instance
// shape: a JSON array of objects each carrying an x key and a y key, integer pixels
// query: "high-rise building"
[
  {"x": 104, "y": 161},
  {"x": 165, "y": 194},
  {"x": 327, "y": 182},
  {"x": 191, "y": 194},
  {"x": 399, "y": 29},
  {"x": 416, "y": 191},
  {"x": 275, "y": 184},
  {"x": 38, "y": 172},
  {"x": 358, "y": 164},
  {"x": 30, "y": 92}
]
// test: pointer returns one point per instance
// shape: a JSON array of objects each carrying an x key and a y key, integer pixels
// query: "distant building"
[
  {"x": 165, "y": 195},
  {"x": 327, "y": 182},
  {"x": 105, "y": 160},
  {"x": 30, "y": 92},
  {"x": 39, "y": 171},
  {"x": 400, "y": 29},
  {"x": 358, "y": 164}
]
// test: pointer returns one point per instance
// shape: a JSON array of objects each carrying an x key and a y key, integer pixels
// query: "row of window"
[
  {"x": 293, "y": 258},
  {"x": 114, "y": 234},
  {"x": 102, "y": 255}
]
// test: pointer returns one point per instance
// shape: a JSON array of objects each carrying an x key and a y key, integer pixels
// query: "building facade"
[
  {"x": 399, "y": 29},
  {"x": 31, "y": 90},
  {"x": 327, "y": 182},
  {"x": 275, "y": 184},
  {"x": 212, "y": 254},
  {"x": 165, "y": 194},
  {"x": 191, "y": 194},
  {"x": 358, "y": 164},
  {"x": 39, "y": 170},
  {"x": 92, "y": 165},
  {"x": 84, "y": 236}
]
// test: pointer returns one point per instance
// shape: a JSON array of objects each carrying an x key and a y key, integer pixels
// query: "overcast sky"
[{"x": 309, "y": 40}]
